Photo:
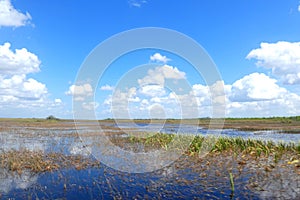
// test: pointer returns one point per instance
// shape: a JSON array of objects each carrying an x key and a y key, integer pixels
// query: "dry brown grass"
[{"x": 38, "y": 161}]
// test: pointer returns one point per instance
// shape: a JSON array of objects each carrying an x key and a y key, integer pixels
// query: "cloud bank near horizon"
[{"x": 255, "y": 94}]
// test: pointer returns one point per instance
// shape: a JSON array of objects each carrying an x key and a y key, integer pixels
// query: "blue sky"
[{"x": 254, "y": 43}]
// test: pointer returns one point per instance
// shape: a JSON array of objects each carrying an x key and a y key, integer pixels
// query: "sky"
[{"x": 254, "y": 44}]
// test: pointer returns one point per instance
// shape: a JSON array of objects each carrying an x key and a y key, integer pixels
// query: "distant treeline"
[{"x": 293, "y": 118}]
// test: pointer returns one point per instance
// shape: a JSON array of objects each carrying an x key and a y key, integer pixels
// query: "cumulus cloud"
[
  {"x": 153, "y": 97},
  {"x": 80, "y": 92},
  {"x": 90, "y": 105},
  {"x": 282, "y": 58},
  {"x": 157, "y": 57},
  {"x": 160, "y": 74},
  {"x": 9, "y": 16},
  {"x": 107, "y": 87},
  {"x": 150, "y": 90},
  {"x": 214, "y": 94},
  {"x": 19, "y": 95},
  {"x": 58, "y": 101},
  {"x": 164, "y": 91},
  {"x": 19, "y": 62},
  {"x": 285, "y": 106},
  {"x": 259, "y": 95},
  {"x": 14, "y": 67},
  {"x": 120, "y": 98},
  {"x": 256, "y": 87},
  {"x": 153, "y": 90},
  {"x": 202, "y": 94},
  {"x": 140, "y": 102},
  {"x": 255, "y": 94}
]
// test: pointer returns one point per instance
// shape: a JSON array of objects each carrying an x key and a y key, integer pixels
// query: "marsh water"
[
  {"x": 185, "y": 178},
  {"x": 267, "y": 135}
]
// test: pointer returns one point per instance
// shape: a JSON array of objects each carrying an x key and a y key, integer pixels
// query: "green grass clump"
[
  {"x": 219, "y": 144},
  {"x": 152, "y": 141}
]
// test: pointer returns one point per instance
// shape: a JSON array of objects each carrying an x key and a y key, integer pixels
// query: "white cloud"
[
  {"x": 137, "y": 3},
  {"x": 144, "y": 102},
  {"x": 9, "y": 16},
  {"x": 256, "y": 87},
  {"x": 285, "y": 106},
  {"x": 107, "y": 87},
  {"x": 155, "y": 100},
  {"x": 90, "y": 105},
  {"x": 135, "y": 99},
  {"x": 282, "y": 57},
  {"x": 157, "y": 57},
  {"x": 140, "y": 103},
  {"x": 160, "y": 74},
  {"x": 80, "y": 92},
  {"x": 132, "y": 92},
  {"x": 152, "y": 90},
  {"x": 259, "y": 95},
  {"x": 299, "y": 8},
  {"x": 19, "y": 62},
  {"x": 58, "y": 101},
  {"x": 33, "y": 89},
  {"x": 200, "y": 90},
  {"x": 255, "y": 94},
  {"x": 14, "y": 67},
  {"x": 210, "y": 95},
  {"x": 202, "y": 94},
  {"x": 21, "y": 96}
]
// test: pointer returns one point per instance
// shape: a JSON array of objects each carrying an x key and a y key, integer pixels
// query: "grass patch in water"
[
  {"x": 220, "y": 144},
  {"x": 37, "y": 161}
]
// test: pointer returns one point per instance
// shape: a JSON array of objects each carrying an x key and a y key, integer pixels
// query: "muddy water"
[{"x": 188, "y": 177}]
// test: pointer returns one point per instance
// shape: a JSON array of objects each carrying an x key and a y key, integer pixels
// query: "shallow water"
[
  {"x": 185, "y": 178},
  {"x": 106, "y": 183},
  {"x": 268, "y": 135}
]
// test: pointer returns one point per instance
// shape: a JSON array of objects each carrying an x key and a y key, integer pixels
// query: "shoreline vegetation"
[{"x": 280, "y": 124}]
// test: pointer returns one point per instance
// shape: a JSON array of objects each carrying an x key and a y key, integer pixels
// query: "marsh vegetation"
[{"x": 42, "y": 158}]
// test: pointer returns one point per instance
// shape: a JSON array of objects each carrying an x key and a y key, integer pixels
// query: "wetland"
[{"x": 248, "y": 159}]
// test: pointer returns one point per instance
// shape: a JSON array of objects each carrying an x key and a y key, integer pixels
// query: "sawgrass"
[{"x": 220, "y": 144}]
